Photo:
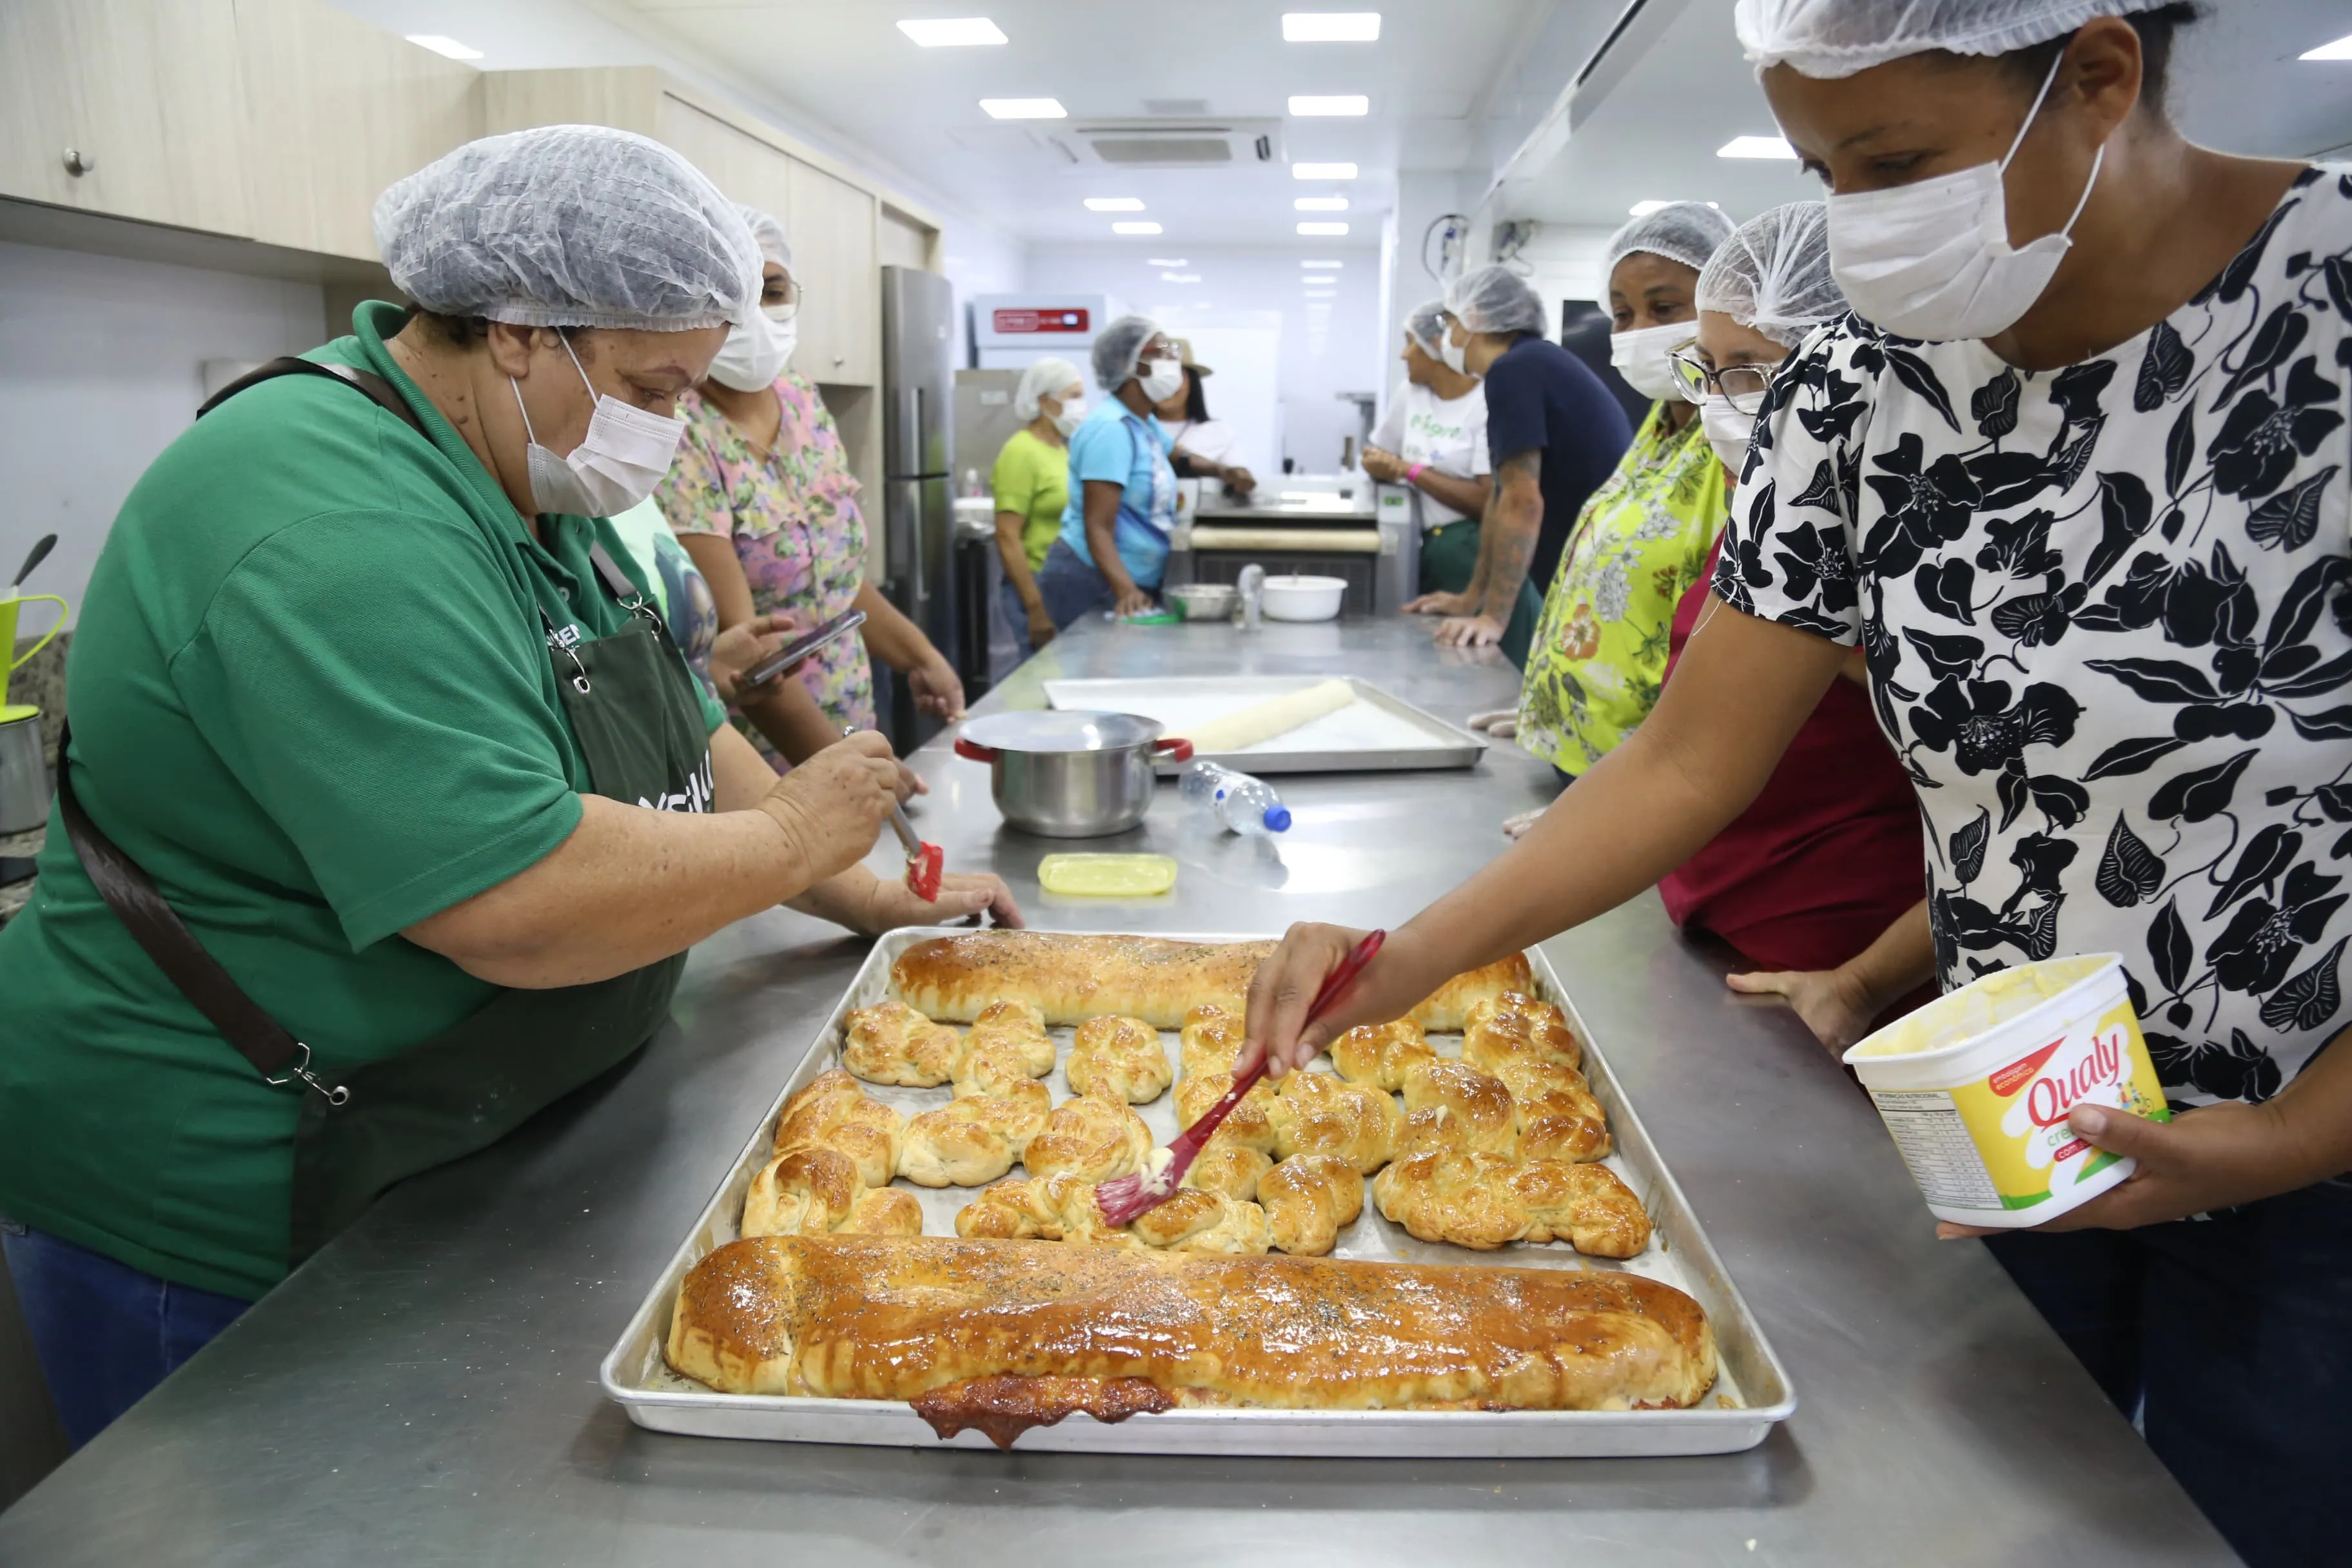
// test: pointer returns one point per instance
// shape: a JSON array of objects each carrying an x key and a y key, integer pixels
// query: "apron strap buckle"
[{"x": 337, "y": 1096}]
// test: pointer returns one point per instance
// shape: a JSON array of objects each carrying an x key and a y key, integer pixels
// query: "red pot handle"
[
  {"x": 974, "y": 751},
  {"x": 1174, "y": 747}
]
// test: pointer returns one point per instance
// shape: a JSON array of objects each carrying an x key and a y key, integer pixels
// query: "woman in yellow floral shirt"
[{"x": 1643, "y": 538}]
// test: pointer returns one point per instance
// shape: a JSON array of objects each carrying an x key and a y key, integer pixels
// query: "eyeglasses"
[
  {"x": 1744, "y": 384},
  {"x": 790, "y": 305}
]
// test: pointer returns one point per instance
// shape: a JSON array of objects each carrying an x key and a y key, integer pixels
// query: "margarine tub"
[{"x": 1976, "y": 1088}]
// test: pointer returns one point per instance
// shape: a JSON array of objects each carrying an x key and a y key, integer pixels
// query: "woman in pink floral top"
[{"x": 762, "y": 497}]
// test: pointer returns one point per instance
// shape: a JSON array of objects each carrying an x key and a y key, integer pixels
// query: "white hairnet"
[
  {"x": 769, "y": 236},
  {"x": 1493, "y": 299},
  {"x": 1118, "y": 346},
  {"x": 1425, "y": 325},
  {"x": 1686, "y": 232},
  {"x": 569, "y": 225},
  {"x": 1839, "y": 38},
  {"x": 1773, "y": 274},
  {"x": 1045, "y": 378}
]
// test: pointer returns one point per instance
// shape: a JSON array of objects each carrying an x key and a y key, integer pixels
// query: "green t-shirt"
[
  {"x": 310, "y": 694},
  {"x": 1033, "y": 477}
]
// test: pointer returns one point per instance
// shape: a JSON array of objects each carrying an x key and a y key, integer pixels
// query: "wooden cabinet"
[
  {"x": 832, "y": 220},
  {"x": 832, "y": 230},
  {"x": 144, "y": 96},
  {"x": 335, "y": 111},
  {"x": 744, "y": 168}
]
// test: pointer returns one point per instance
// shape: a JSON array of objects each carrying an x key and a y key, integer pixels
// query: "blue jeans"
[
  {"x": 1016, "y": 615},
  {"x": 1071, "y": 588},
  {"x": 104, "y": 1333},
  {"x": 2231, "y": 1338}
]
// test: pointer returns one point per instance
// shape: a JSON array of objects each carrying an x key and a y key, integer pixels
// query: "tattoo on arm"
[{"x": 1514, "y": 523}]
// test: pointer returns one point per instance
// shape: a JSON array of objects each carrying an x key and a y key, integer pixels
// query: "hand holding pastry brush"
[{"x": 1122, "y": 1200}]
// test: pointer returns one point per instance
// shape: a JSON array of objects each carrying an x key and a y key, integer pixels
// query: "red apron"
[{"x": 1826, "y": 858}]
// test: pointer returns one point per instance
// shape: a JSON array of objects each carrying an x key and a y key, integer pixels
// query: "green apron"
[
  {"x": 634, "y": 712},
  {"x": 1449, "y": 559}
]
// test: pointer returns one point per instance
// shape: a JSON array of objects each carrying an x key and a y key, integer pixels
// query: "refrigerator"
[{"x": 918, "y": 460}]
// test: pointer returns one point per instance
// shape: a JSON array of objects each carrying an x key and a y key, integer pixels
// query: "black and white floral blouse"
[{"x": 2108, "y": 611}]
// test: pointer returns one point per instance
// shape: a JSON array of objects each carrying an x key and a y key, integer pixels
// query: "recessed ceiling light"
[
  {"x": 1321, "y": 204},
  {"x": 444, "y": 46},
  {"x": 1757, "y": 147},
  {"x": 2341, "y": 50},
  {"x": 1134, "y": 229},
  {"x": 1165, "y": 261},
  {"x": 952, "y": 32},
  {"x": 1180, "y": 278},
  {"x": 1024, "y": 109},
  {"x": 1322, "y": 171},
  {"x": 1323, "y": 230},
  {"x": 1114, "y": 203},
  {"x": 1322, "y": 264},
  {"x": 1330, "y": 27},
  {"x": 1336, "y": 103}
]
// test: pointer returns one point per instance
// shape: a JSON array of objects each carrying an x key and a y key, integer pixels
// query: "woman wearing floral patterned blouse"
[
  {"x": 1643, "y": 538},
  {"x": 762, "y": 497},
  {"x": 2089, "y": 523}
]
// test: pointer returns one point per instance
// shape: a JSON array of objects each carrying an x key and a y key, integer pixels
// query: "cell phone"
[{"x": 800, "y": 648}]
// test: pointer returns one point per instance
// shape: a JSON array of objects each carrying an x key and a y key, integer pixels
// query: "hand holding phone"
[{"x": 797, "y": 650}]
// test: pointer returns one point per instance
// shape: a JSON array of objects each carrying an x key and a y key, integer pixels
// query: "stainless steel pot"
[
  {"x": 1069, "y": 775},
  {"x": 24, "y": 777}
]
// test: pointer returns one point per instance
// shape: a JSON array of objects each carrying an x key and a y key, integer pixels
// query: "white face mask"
[
  {"x": 1640, "y": 356},
  {"x": 1074, "y": 410},
  {"x": 1456, "y": 355},
  {"x": 616, "y": 465},
  {"x": 756, "y": 353},
  {"x": 1162, "y": 379},
  {"x": 1933, "y": 260},
  {"x": 1727, "y": 430}
]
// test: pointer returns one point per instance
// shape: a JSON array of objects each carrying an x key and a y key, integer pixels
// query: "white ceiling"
[
  {"x": 845, "y": 64},
  {"x": 1652, "y": 134}
]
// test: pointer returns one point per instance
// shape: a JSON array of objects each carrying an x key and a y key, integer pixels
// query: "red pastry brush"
[
  {"x": 1120, "y": 1201},
  {"x": 924, "y": 862}
]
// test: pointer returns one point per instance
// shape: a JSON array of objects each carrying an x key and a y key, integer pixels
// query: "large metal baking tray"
[
  {"x": 1379, "y": 733},
  {"x": 1751, "y": 1393}
]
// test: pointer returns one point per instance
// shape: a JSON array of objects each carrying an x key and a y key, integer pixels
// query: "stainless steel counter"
[{"x": 425, "y": 1390}]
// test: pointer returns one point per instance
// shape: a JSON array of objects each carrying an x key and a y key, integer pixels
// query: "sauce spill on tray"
[{"x": 1005, "y": 1406}]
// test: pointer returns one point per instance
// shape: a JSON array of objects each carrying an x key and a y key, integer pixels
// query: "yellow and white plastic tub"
[{"x": 1977, "y": 1086}]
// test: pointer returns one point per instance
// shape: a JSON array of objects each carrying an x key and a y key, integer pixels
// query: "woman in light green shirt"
[{"x": 1031, "y": 486}]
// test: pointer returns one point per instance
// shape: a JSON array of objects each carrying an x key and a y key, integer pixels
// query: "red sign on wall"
[{"x": 1039, "y": 321}]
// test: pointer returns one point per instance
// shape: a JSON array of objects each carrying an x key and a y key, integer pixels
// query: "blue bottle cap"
[{"x": 1278, "y": 818}]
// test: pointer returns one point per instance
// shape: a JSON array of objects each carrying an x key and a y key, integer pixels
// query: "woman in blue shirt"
[{"x": 1114, "y": 545}]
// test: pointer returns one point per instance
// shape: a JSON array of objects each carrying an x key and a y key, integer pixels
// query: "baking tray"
[
  {"x": 1378, "y": 732},
  {"x": 1751, "y": 1391}
]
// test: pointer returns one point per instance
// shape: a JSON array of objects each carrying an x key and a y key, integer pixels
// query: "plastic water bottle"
[{"x": 1242, "y": 804}]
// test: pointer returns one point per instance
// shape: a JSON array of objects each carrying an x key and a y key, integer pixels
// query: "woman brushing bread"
[{"x": 2071, "y": 475}]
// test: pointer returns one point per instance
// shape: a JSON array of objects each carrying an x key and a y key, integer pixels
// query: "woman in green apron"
[{"x": 390, "y": 808}]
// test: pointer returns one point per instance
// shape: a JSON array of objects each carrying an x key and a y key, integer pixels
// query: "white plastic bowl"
[{"x": 1304, "y": 598}]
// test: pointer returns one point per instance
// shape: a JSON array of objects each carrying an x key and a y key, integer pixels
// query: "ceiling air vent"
[{"x": 1173, "y": 143}]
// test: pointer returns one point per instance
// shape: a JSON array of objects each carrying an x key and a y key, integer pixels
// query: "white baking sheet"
[{"x": 1378, "y": 730}]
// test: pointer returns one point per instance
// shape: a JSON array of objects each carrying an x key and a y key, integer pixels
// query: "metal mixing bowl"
[{"x": 1205, "y": 601}]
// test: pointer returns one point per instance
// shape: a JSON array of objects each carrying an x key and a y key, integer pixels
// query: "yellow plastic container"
[
  {"x": 1106, "y": 875},
  {"x": 1976, "y": 1088}
]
